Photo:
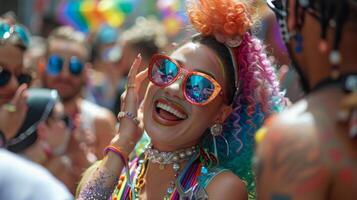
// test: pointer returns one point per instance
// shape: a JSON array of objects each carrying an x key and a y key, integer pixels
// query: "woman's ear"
[{"x": 224, "y": 113}]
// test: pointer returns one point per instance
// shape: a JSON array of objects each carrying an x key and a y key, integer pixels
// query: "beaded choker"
[{"x": 166, "y": 158}]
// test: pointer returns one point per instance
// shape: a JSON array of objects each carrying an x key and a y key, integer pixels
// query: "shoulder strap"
[{"x": 207, "y": 175}]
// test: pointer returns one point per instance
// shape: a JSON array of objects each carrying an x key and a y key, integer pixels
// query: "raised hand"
[
  {"x": 12, "y": 114},
  {"x": 129, "y": 131},
  {"x": 104, "y": 177}
]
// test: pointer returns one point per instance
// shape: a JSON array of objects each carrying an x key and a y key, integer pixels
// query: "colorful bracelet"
[
  {"x": 129, "y": 115},
  {"x": 117, "y": 151}
]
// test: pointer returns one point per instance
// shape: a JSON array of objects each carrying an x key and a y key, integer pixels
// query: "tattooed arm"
[
  {"x": 102, "y": 182},
  {"x": 289, "y": 162},
  {"x": 103, "y": 177}
]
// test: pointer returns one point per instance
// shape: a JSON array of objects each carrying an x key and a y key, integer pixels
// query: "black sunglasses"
[
  {"x": 280, "y": 7},
  {"x": 5, "y": 77}
]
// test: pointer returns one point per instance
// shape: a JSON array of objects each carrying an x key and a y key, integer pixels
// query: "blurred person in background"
[
  {"x": 309, "y": 151},
  {"x": 14, "y": 40},
  {"x": 105, "y": 55},
  {"x": 268, "y": 31},
  {"x": 45, "y": 131},
  {"x": 67, "y": 71},
  {"x": 43, "y": 134},
  {"x": 147, "y": 37},
  {"x": 21, "y": 179},
  {"x": 32, "y": 58}
]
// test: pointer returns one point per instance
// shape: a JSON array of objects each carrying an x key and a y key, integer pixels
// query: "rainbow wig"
[{"x": 258, "y": 92}]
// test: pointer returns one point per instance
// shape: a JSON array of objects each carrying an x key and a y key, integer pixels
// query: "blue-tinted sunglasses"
[
  {"x": 55, "y": 65},
  {"x": 198, "y": 88},
  {"x": 15, "y": 34}
]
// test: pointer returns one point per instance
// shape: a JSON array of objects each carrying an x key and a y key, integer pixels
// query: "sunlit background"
[{"x": 89, "y": 15}]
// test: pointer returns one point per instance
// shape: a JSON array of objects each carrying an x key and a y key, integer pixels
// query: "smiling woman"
[{"x": 204, "y": 102}]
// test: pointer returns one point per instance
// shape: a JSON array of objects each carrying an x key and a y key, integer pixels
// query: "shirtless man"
[
  {"x": 65, "y": 70},
  {"x": 310, "y": 150}
]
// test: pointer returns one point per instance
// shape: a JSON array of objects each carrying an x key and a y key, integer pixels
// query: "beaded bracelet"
[
  {"x": 117, "y": 151},
  {"x": 129, "y": 115}
]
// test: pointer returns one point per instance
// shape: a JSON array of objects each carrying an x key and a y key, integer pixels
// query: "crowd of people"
[{"x": 259, "y": 103}]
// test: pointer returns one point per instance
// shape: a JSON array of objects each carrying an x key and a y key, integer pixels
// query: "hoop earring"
[{"x": 216, "y": 130}]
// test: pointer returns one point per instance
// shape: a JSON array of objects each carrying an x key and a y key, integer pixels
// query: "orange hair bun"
[{"x": 221, "y": 18}]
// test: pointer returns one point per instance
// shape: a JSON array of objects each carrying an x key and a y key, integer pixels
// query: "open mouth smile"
[{"x": 168, "y": 113}]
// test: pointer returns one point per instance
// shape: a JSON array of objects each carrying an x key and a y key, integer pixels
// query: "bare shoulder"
[
  {"x": 105, "y": 127},
  {"x": 104, "y": 122},
  {"x": 105, "y": 117},
  {"x": 100, "y": 114},
  {"x": 289, "y": 160},
  {"x": 227, "y": 185},
  {"x": 294, "y": 126}
]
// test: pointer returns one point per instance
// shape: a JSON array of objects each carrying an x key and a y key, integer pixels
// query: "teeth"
[{"x": 171, "y": 110}]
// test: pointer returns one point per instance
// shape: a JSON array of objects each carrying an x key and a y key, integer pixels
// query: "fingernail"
[
  {"x": 139, "y": 55},
  {"x": 24, "y": 85}
]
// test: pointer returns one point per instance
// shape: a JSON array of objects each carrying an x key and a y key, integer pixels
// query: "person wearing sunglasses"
[
  {"x": 43, "y": 135},
  {"x": 45, "y": 130},
  {"x": 14, "y": 39},
  {"x": 309, "y": 151},
  {"x": 203, "y": 104},
  {"x": 66, "y": 70}
]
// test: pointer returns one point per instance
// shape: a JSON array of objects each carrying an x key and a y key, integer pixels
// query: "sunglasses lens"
[
  {"x": 163, "y": 71},
  {"x": 198, "y": 88},
  {"x": 54, "y": 65},
  {"x": 24, "y": 78},
  {"x": 75, "y": 66},
  {"x": 5, "y": 76},
  {"x": 23, "y": 34},
  {"x": 4, "y": 31}
]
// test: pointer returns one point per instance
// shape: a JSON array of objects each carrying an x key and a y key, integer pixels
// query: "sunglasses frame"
[
  {"x": 284, "y": 13},
  {"x": 63, "y": 64},
  {"x": 217, "y": 87},
  {"x": 25, "y": 75}
]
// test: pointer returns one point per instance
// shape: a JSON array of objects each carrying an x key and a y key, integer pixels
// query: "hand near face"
[
  {"x": 13, "y": 114},
  {"x": 129, "y": 132}
]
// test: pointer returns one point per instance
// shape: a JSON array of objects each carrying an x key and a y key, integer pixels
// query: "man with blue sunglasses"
[{"x": 66, "y": 70}]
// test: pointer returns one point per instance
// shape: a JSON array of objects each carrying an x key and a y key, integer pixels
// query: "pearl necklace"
[{"x": 165, "y": 158}]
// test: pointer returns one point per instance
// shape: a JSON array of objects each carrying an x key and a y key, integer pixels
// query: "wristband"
[{"x": 117, "y": 151}]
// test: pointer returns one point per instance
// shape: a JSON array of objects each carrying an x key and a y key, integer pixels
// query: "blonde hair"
[{"x": 68, "y": 33}]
